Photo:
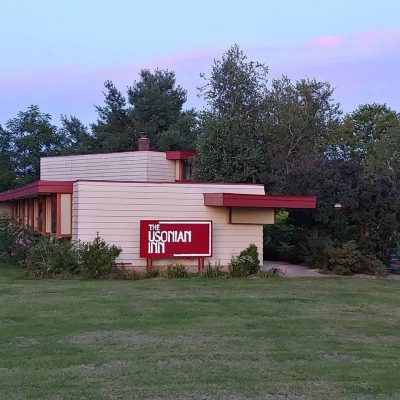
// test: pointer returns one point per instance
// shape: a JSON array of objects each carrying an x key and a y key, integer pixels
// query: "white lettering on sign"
[{"x": 157, "y": 239}]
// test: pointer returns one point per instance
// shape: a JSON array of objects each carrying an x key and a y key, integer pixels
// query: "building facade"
[{"x": 120, "y": 195}]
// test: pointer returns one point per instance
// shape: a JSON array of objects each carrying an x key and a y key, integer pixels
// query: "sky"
[{"x": 58, "y": 53}]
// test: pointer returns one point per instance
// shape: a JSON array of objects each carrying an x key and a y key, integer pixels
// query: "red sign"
[{"x": 163, "y": 239}]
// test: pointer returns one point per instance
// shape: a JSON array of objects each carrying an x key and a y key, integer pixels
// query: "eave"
[
  {"x": 258, "y": 200},
  {"x": 35, "y": 189}
]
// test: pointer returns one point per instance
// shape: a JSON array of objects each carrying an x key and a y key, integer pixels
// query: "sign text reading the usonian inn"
[{"x": 163, "y": 239}]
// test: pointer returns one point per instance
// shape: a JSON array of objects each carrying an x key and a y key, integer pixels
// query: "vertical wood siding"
[{"x": 114, "y": 209}]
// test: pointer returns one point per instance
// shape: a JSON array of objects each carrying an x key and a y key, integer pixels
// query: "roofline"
[
  {"x": 172, "y": 182},
  {"x": 258, "y": 200},
  {"x": 104, "y": 152},
  {"x": 35, "y": 189},
  {"x": 180, "y": 155}
]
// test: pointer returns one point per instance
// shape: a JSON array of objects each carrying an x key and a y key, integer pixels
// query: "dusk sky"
[{"x": 57, "y": 54}]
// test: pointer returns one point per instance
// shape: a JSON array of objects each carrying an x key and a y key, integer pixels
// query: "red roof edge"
[
  {"x": 36, "y": 188},
  {"x": 258, "y": 200},
  {"x": 180, "y": 155}
]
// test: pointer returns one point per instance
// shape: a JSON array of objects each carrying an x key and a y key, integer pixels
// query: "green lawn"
[{"x": 282, "y": 338}]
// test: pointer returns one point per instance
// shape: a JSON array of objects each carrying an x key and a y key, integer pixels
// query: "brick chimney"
[{"x": 143, "y": 143}]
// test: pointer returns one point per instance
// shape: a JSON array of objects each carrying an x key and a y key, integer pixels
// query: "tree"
[
  {"x": 155, "y": 106},
  {"x": 77, "y": 136},
  {"x": 299, "y": 118},
  {"x": 32, "y": 136},
  {"x": 7, "y": 175},
  {"x": 230, "y": 147},
  {"x": 112, "y": 131},
  {"x": 370, "y": 134},
  {"x": 353, "y": 204}
]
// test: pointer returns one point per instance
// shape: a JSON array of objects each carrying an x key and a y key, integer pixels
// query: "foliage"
[
  {"x": 79, "y": 139},
  {"x": 212, "y": 271},
  {"x": 229, "y": 147},
  {"x": 252, "y": 252},
  {"x": 14, "y": 242},
  {"x": 246, "y": 263},
  {"x": 353, "y": 204},
  {"x": 175, "y": 270},
  {"x": 280, "y": 239},
  {"x": 49, "y": 257},
  {"x": 97, "y": 257},
  {"x": 299, "y": 118},
  {"x": 314, "y": 249},
  {"x": 128, "y": 274},
  {"x": 370, "y": 134},
  {"x": 271, "y": 273},
  {"x": 346, "y": 259},
  {"x": 7, "y": 173},
  {"x": 32, "y": 135},
  {"x": 154, "y": 105},
  {"x": 373, "y": 265},
  {"x": 152, "y": 272},
  {"x": 241, "y": 266}
]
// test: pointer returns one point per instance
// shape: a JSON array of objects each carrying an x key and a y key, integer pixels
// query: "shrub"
[
  {"x": 373, "y": 265},
  {"x": 152, "y": 272},
  {"x": 252, "y": 252},
  {"x": 271, "y": 273},
  {"x": 212, "y": 271},
  {"x": 246, "y": 263},
  {"x": 97, "y": 257},
  {"x": 14, "y": 242},
  {"x": 241, "y": 266},
  {"x": 128, "y": 274},
  {"x": 48, "y": 257},
  {"x": 175, "y": 270},
  {"x": 315, "y": 249},
  {"x": 345, "y": 260}
]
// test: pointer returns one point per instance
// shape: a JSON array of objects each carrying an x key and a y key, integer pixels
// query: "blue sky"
[{"x": 58, "y": 53}]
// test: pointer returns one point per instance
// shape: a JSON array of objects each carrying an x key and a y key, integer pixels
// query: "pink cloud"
[
  {"x": 377, "y": 41},
  {"x": 328, "y": 41}
]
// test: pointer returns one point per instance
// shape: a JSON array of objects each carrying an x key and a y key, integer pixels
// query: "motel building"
[{"x": 144, "y": 202}]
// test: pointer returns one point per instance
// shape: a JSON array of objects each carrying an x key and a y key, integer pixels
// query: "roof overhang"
[
  {"x": 258, "y": 200},
  {"x": 35, "y": 189},
  {"x": 180, "y": 155}
]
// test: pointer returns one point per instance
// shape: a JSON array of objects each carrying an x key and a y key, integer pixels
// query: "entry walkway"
[{"x": 292, "y": 270}]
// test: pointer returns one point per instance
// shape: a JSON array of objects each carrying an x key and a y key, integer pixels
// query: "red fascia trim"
[
  {"x": 36, "y": 188},
  {"x": 180, "y": 155},
  {"x": 258, "y": 200}
]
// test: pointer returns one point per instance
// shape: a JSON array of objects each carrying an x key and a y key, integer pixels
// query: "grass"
[{"x": 198, "y": 338}]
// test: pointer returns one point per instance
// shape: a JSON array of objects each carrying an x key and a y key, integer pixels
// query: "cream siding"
[
  {"x": 65, "y": 217},
  {"x": 114, "y": 209},
  {"x": 243, "y": 215},
  {"x": 128, "y": 166},
  {"x": 48, "y": 215}
]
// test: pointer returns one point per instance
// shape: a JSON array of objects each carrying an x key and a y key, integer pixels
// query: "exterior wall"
[
  {"x": 65, "y": 214},
  {"x": 114, "y": 209},
  {"x": 244, "y": 215},
  {"x": 126, "y": 166},
  {"x": 6, "y": 208}
]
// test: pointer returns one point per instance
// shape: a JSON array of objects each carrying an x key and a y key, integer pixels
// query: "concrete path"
[{"x": 292, "y": 270}]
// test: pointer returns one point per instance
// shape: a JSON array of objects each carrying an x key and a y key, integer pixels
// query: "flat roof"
[
  {"x": 35, "y": 189},
  {"x": 180, "y": 155},
  {"x": 258, "y": 200}
]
